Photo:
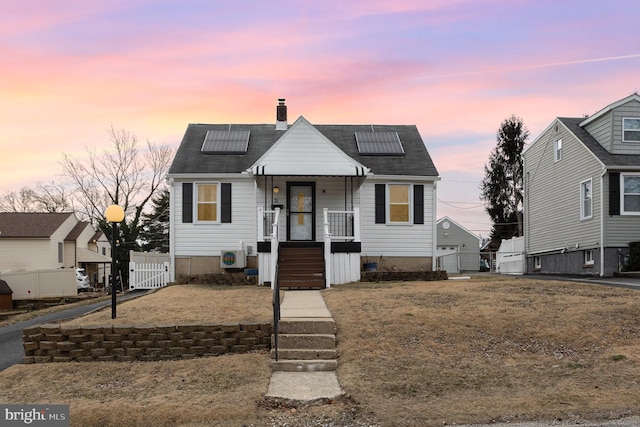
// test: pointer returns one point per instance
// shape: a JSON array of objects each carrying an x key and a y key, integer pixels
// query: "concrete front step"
[
  {"x": 305, "y": 325},
  {"x": 306, "y": 341},
  {"x": 304, "y": 365},
  {"x": 304, "y": 354}
]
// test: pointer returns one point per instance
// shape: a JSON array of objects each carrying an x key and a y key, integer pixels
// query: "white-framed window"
[
  {"x": 588, "y": 257},
  {"x": 536, "y": 263},
  {"x": 586, "y": 199},
  {"x": 399, "y": 203},
  {"x": 207, "y": 205},
  {"x": 60, "y": 252},
  {"x": 557, "y": 150},
  {"x": 631, "y": 129},
  {"x": 630, "y": 193}
]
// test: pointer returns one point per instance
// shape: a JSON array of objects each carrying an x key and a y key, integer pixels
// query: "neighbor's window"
[
  {"x": 558, "y": 150},
  {"x": 586, "y": 200},
  {"x": 631, "y": 130},
  {"x": 60, "y": 252},
  {"x": 536, "y": 263},
  {"x": 630, "y": 194},
  {"x": 399, "y": 202},
  {"x": 207, "y": 204},
  {"x": 588, "y": 257}
]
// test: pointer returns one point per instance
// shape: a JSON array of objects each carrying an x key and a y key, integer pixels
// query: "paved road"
[{"x": 11, "y": 350}]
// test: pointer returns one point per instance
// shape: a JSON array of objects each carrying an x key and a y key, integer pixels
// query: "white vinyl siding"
[
  {"x": 385, "y": 240},
  {"x": 586, "y": 200},
  {"x": 209, "y": 239},
  {"x": 630, "y": 129}
]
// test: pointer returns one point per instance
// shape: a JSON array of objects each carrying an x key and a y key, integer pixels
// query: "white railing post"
[
  {"x": 260, "y": 224},
  {"x": 274, "y": 246},
  {"x": 327, "y": 248},
  {"x": 356, "y": 224}
]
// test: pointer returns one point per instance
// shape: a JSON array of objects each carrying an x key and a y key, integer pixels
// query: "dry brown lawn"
[{"x": 411, "y": 354}]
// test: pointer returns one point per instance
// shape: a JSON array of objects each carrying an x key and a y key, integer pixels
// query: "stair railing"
[{"x": 275, "y": 284}]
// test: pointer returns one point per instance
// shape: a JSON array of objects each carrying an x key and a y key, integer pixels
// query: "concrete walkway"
[{"x": 304, "y": 387}]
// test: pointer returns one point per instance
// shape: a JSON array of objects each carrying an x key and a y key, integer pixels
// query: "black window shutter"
[
  {"x": 380, "y": 204},
  {"x": 187, "y": 202},
  {"x": 225, "y": 200},
  {"x": 614, "y": 193},
  {"x": 418, "y": 204}
]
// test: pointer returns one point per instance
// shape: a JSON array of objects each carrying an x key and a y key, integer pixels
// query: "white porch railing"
[
  {"x": 268, "y": 231},
  {"x": 338, "y": 226},
  {"x": 341, "y": 267},
  {"x": 149, "y": 275}
]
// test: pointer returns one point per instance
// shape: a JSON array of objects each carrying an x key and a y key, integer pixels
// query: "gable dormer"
[{"x": 617, "y": 126}]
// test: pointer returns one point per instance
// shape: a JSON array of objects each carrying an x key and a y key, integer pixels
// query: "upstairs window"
[
  {"x": 630, "y": 194},
  {"x": 558, "y": 151},
  {"x": 586, "y": 200},
  {"x": 631, "y": 130}
]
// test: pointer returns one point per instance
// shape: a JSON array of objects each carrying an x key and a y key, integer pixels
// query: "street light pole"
[{"x": 114, "y": 214}]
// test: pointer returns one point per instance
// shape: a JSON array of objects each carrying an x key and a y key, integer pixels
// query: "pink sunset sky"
[{"x": 454, "y": 68}]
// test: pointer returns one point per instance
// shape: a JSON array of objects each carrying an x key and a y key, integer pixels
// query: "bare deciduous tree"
[{"x": 51, "y": 197}]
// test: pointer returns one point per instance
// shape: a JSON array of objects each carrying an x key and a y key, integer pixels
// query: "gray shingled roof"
[
  {"x": 16, "y": 225},
  {"x": 610, "y": 160},
  {"x": 189, "y": 159},
  {"x": 4, "y": 288}
]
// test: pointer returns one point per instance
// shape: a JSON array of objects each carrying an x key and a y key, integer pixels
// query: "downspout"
[
  {"x": 434, "y": 243},
  {"x": 602, "y": 264},
  {"x": 172, "y": 230}
]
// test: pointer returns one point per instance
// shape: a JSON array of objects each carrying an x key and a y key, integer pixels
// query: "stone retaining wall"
[
  {"x": 58, "y": 343},
  {"x": 386, "y": 276}
]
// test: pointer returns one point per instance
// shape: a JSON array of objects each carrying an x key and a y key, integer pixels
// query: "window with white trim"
[
  {"x": 60, "y": 252},
  {"x": 630, "y": 193},
  {"x": 207, "y": 203},
  {"x": 536, "y": 263},
  {"x": 399, "y": 203},
  {"x": 558, "y": 151},
  {"x": 631, "y": 129},
  {"x": 588, "y": 257},
  {"x": 586, "y": 200}
]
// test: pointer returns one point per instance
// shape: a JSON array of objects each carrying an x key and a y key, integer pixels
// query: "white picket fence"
[{"x": 149, "y": 275}]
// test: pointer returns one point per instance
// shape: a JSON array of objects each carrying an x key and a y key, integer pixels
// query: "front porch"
[{"x": 309, "y": 264}]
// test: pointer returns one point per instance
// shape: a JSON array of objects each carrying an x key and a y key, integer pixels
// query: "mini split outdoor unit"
[{"x": 233, "y": 258}]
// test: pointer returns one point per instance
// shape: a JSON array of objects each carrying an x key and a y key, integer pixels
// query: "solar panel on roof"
[
  {"x": 379, "y": 143},
  {"x": 226, "y": 141}
]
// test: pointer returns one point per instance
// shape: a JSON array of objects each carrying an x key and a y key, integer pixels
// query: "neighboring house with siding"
[
  {"x": 582, "y": 192},
  {"x": 355, "y": 191},
  {"x": 40, "y": 241},
  {"x": 458, "y": 249}
]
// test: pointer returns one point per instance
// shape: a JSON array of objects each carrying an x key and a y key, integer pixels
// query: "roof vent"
[{"x": 281, "y": 115}]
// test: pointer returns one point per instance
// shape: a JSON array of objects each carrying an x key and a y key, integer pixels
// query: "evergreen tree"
[
  {"x": 155, "y": 225},
  {"x": 502, "y": 185}
]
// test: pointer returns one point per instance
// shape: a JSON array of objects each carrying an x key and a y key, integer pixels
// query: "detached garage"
[{"x": 458, "y": 249}]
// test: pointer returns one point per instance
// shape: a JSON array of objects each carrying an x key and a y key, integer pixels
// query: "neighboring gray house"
[
  {"x": 582, "y": 192},
  {"x": 458, "y": 248},
  {"x": 346, "y": 192}
]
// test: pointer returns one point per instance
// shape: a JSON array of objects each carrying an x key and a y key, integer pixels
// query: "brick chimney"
[{"x": 281, "y": 115}]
